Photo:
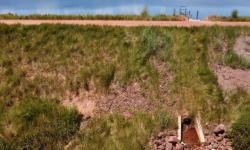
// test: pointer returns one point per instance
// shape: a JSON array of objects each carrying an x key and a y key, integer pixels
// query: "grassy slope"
[
  {"x": 56, "y": 61},
  {"x": 162, "y": 17}
]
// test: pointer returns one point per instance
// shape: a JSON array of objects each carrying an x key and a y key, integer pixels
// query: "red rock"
[
  {"x": 158, "y": 142},
  {"x": 215, "y": 146},
  {"x": 161, "y": 134},
  {"x": 221, "y": 148},
  {"x": 169, "y": 146},
  {"x": 219, "y": 139},
  {"x": 179, "y": 147},
  {"x": 173, "y": 139},
  {"x": 209, "y": 147},
  {"x": 161, "y": 147},
  {"x": 220, "y": 129}
]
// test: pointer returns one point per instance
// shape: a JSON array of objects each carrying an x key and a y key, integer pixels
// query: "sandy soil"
[
  {"x": 230, "y": 79},
  {"x": 128, "y": 23}
]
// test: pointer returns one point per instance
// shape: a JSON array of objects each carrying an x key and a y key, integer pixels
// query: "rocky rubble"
[
  {"x": 166, "y": 140},
  {"x": 216, "y": 140}
]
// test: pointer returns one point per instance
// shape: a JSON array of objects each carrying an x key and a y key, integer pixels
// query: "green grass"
[
  {"x": 238, "y": 102},
  {"x": 49, "y": 61},
  {"x": 35, "y": 124},
  {"x": 235, "y": 61},
  {"x": 240, "y": 132},
  {"x": 115, "y": 132},
  {"x": 143, "y": 16},
  {"x": 55, "y": 62}
]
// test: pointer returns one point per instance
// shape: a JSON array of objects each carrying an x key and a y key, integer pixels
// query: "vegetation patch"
[
  {"x": 233, "y": 18},
  {"x": 57, "y": 62},
  {"x": 240, "y": 132},
  {"x": 116, "y": 132},
  {"x": 35, "y": 124},
  {"x": 144, "y": 16},
  {"x": 235, "y": 61}
]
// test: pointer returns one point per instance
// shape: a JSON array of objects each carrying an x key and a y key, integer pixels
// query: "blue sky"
[{"x": 206, "y": 7}]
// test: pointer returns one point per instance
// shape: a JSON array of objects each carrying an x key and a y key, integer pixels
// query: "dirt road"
[{"x": 127, "y": 23}]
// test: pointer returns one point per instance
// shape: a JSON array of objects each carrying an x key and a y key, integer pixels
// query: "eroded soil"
[
  {"x": 242, "y": 47},
  {"x": 229, "y": 78}
]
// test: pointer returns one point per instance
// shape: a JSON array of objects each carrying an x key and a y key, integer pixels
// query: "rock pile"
[
  {"x": 218, "y": 140},
  {"x": 167, "y": 140}
]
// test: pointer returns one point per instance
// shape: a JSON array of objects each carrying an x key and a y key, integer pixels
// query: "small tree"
[
  {"x": 145, "y": 12},
  {"x": 235, "y": 14}
]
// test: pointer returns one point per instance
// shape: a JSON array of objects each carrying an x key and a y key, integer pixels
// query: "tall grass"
[
  {"x": 116, "y": 132},
  {"x": 35, "y": 124},
  {"x": 235, "y": 61}
]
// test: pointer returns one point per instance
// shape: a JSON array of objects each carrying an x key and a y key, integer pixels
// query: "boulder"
[{"x": 220, "y": 129}]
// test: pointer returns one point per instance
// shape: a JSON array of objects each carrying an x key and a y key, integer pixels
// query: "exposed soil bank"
[
  {"x": 230, "y": 79},
  {"x": 242, "y": 47}
]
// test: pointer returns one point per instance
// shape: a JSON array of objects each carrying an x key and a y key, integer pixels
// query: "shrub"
[
  {"x": 240, "y": 133},
  {"x": 234, "y": 14}
]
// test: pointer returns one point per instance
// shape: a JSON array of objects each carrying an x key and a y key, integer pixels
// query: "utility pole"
[
  {"x": 197, "y": 15},
  {"x": 174, "y": 13}
]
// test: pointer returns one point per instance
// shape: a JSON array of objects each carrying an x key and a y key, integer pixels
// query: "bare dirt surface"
[
  {"x": 84, "y": 103},
  {"x": 230, "y": 79},
  {"x": 128, "y": 23},
  {"x": 124, "y": 99},
  {"x": 119, "y": 99},
  {"x": 242, "y": 47}
]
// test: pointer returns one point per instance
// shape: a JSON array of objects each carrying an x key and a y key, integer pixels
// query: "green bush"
[
  {"x": 234, "y": 14},
  {"x": 240, "y": 133},
  {"x": 39, "y": 124}
]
